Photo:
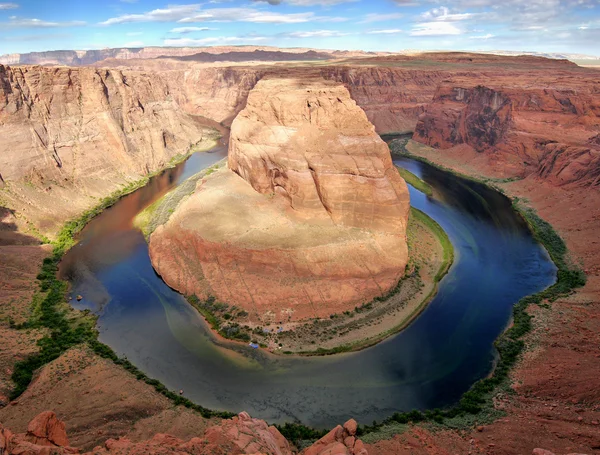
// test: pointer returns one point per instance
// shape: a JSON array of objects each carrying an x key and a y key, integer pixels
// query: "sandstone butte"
[
  {"x": 308, "y": 220},
  {"x": 47, "y": 435}
]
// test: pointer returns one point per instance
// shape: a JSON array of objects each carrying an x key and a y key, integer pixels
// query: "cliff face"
[
  {"x": 88, "y": 129},
  {"x": 547, "y": 127},
  {"x": 310, "y": 143},
  {"x": 392, "y": 98},
  {"x": 310, "y": 220}
]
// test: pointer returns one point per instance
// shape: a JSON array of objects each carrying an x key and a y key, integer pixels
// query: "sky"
[{"x": 563, "y": 26}]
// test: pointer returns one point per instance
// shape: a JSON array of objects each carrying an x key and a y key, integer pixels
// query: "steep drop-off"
[
  {"x": 309, "y": 220},
  {"x": 547, "y": 127},
  {"x": 72, "y": 135}
]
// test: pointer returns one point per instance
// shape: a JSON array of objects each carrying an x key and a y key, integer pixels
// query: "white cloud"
[
  {"x": 193, "y": 13},
  {"x": 184, "y": 30},
  {"x": 247, "y": 15},
  {"x": 435, "y": 29},
  {"x": 443, "y": 14},
  {"x": 324, "y": 3},
  {"x": 134, "y": 44},
  {"x": 316, "y": 34},
  {"x": 317, "y": 2},
  {"x": 8, "y": 6},
  {"x": 374, "y": 17},
  {"x": 170, "y": 14},
  {"x": 482, "y": 37},
  {"x": 390, "y": 31},
  {"x": 38, "y": 23},
  {"x": 185, "y": 42}
]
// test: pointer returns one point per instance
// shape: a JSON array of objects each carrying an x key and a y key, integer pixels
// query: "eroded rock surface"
[
  {"x": 310, "y": 219},
  {"x": 72, "y": 135},
  {"x": 528, "y": 125},
  {"x": 242, "y": 434}
]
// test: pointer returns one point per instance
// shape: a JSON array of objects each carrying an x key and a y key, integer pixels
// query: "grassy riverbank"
[
  {"x": 415, "y": 181},
  {"x": 476, "y": 405},
  {"x": 67, "y": 327}
]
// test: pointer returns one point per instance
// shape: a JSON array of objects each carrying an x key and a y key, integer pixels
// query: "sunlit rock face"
[{"x": 309, "y": 219}]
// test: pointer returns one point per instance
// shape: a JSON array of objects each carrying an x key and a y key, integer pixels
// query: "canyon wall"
[
  {"x": 392, "y": 98},
  {"x": 72, "y": 135},
  {"x": 309, "y": 220},
  {"x": 541, "y": 125}
]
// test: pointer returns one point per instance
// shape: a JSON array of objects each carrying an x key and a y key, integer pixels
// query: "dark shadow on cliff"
[{"x": 9, "y": 234}]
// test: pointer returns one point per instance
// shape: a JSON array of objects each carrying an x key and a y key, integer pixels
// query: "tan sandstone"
[{"x": 310, "y": 219}]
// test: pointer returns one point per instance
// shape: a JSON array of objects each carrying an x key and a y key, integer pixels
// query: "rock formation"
[
  {"x": 242, "y": 434},
  {"x": 310, "y": 220},
  {"x": 46, "y": 435},
  {"x": 547, "y": 127}
]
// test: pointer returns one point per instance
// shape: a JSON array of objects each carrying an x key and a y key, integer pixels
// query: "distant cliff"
[
  {"x": 89, "y": 57},
  {"x": 542, "y": 125}
]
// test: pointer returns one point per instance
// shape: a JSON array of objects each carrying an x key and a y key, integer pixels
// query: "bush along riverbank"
[
  {"x": 476, "y": 405},
  {"x": 68, "y": 327},
  {"x": 415, "y": 181}
]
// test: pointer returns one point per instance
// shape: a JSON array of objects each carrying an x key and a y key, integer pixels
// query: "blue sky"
[{"x": 387, "y": 25}]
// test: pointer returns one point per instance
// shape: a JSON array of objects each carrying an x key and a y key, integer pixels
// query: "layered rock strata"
[
  {"x": 72, "y": 135},
  {"x": 540, "y": 127},
  {"x": 309, "y": 219}
]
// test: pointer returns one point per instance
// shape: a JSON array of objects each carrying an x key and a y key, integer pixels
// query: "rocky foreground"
[
  {"x": 47, "y": 435},
  {"x": 309, "y": 220}
]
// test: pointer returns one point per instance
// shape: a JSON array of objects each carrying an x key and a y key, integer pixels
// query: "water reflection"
[{"x": 430, "y": 364}]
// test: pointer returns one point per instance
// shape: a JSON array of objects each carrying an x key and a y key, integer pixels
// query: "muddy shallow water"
[{"x": 427, "y": 365}]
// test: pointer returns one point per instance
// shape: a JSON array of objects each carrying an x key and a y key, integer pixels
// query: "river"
[{"x": 427, "y": 365}]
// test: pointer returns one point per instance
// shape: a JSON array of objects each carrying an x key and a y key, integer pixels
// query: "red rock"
[
  {"x": 311, "y": 216},
  {"x": 46, "y": 429},
  {"x": 542, "y": 452},
  {"x": 522, "y": 127},
  {"x": 351, "y": 426}
]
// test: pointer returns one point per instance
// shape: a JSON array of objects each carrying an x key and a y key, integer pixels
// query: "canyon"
[{"x": 72, "y": 135}]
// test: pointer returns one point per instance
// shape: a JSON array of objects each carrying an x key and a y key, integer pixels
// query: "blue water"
[{"x": 428, "y": 365}]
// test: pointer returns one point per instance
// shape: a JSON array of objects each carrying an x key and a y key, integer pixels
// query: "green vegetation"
[
  {"x": 67, "y": 327},
  {"x": 219, "y": 316},
  {"x": 476, "y": 405},
  {"x": 160, "y": 211},
  {"x": 415, "y": 181},
  {"x": 296, "y": 433},
  {"x": 442, "y": 237}
]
